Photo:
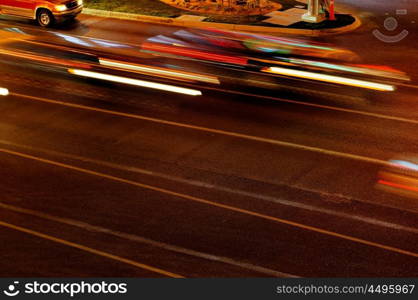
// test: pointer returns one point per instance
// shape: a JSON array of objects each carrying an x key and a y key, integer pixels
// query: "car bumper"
[{"x": 71, "y": 13}]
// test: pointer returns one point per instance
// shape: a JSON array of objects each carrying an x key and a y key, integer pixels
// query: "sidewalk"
[{"x": 282, "y": 17}]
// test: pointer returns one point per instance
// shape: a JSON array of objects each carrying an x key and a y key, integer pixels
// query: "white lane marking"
[
  {"x": 90, "y": 250},
  {"x": 216, "y": 131},
  {"x": 202, "y": 184},
  {"x": 213, "y": 203},
  {"x": 139, "y": 239}
]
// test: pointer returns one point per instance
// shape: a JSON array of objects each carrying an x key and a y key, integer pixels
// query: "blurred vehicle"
[
  {"x": 292, "y": 61},
  {"x": 264, "y": 44},
  {"x": 174, "y": 58},
  {"x": 45, "y": 12},
  {"x": 400, "y": 176},
  {"x": 96, "y": 60}
]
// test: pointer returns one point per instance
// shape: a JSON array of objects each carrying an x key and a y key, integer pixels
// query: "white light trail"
[
  {"x": 136, "y": 82},
  {"x": 4, "y": 92}
]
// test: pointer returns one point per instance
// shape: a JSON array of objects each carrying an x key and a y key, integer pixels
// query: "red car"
[{"x": 45, "y": 12}]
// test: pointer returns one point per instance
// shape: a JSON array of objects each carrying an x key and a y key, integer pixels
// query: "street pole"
[{"x": 313, "y": 15}]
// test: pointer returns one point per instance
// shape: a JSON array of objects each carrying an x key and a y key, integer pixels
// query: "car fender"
[{"x": 41, "y": 7}]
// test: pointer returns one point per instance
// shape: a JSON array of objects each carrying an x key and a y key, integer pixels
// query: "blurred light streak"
[
  {"x": 109, "y": 44},
  {"x": 159, "y": 71},
  {"x": 135, "y": 82},
  {"x": 73, "y": 39},
  {"x": 398, "y": 185},
  {"x": 324, "y": 65},
  {"x": 208, "y": 56},
  {"x": 4, "y": 92},
  {"x": 43, "y": 59},
  {"x": 162, "y": 39},
  {"x": 380, "y": 71},
  {"x": 384, "y": 71},
  {"x": 330, "y": 78},
  {"x": 14, "y": 29},
  {"x": 404, "y": 164}
]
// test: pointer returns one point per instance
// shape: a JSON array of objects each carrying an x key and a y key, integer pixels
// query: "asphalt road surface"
[{"x": 107, "y": 180}]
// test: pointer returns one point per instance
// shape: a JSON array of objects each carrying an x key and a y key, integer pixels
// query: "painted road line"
[
  {"x": 139, "y": 239},
  {"x": 214, "y": 204},
  {"x": 202, "y": 184},
  {"x": 216, "y": 131},
  {"x": 90, "y": 250},
  {"x": 327, "y": 107}
]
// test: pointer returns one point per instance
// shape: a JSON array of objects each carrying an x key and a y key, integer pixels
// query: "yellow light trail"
[
  {"x": 331, "y": 78},
  {"x": 159, "y": 71}
]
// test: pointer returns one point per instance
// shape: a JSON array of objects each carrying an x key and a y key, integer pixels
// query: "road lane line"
[
  {"x": 90, "y": 250},
  {"x": 221, "y": 188},
  {"x": 333, "y": 108},
  {"x": 211, "y": 130},
  {"x": 139, "y": 239},
  {"x": 214, "y": 204}
]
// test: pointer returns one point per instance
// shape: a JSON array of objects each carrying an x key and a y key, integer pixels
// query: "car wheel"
[{"x": 45, "y": 18}]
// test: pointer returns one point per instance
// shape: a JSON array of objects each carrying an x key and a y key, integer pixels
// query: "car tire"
[{"x": 44, "y": 18}]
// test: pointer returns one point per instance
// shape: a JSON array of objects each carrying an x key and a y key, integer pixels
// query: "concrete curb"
[{"x": 193, "y": 24}]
